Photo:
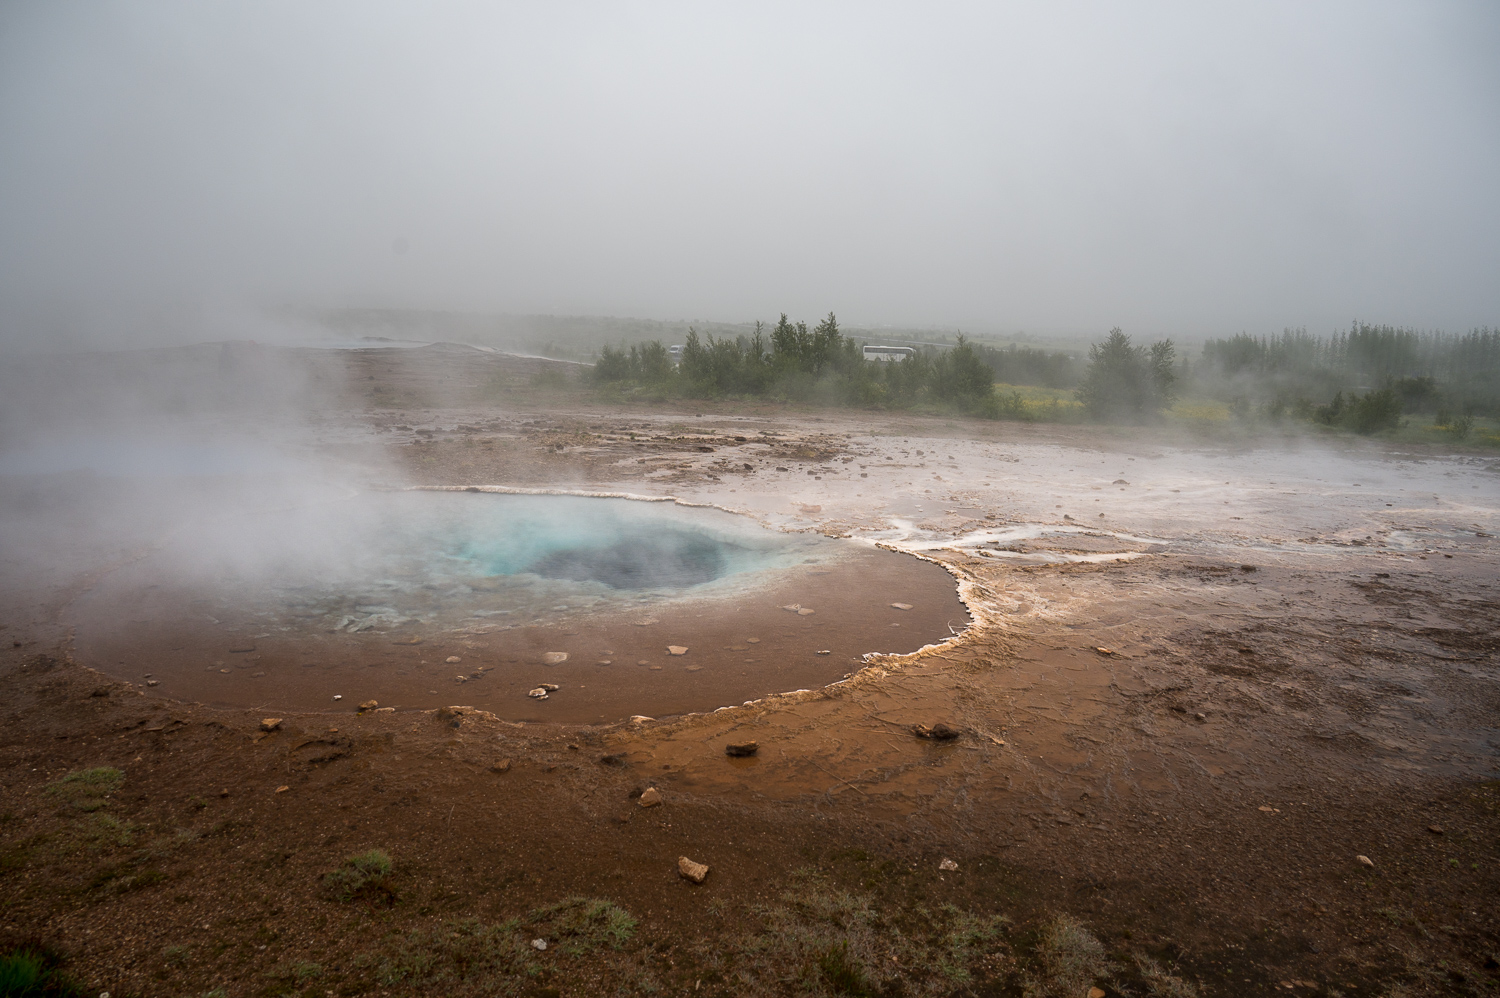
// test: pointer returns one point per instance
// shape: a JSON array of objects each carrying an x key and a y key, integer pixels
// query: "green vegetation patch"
[
  {"x": 33, "y": 971},
  {"x": 464, "y": 951},
  {"x": 87, "y": 789},
  {"x": 363, "y": 874},
  {"x": 580, "y": 925}
]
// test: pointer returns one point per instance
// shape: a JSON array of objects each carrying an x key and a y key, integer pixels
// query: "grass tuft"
[
  {"x": 31, "y": 971},
  {"x": 364, "y": 873},
  {"x": 1068, "y": 961},
  {"x": 579, "y": 925}
]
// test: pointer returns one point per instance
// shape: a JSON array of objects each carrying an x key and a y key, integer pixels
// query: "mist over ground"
[{"x": 175, "y": 172}]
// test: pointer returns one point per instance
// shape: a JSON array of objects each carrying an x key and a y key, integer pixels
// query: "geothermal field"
[{"x": 925, "y": 695}]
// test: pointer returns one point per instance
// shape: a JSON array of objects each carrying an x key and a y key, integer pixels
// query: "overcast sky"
[{"x": 1187, "y": 169}]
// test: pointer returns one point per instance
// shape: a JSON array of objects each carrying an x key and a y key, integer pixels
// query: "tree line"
[{"x": 791, "y": 361}]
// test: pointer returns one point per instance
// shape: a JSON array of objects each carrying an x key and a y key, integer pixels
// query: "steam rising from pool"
[{"x": 474, "y": 562}]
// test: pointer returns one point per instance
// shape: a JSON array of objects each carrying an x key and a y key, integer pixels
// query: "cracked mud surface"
[{"x": 1199, "y": 685}]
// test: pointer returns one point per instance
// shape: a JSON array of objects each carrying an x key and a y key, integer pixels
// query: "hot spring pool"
[{"x": 420, "y": 599}]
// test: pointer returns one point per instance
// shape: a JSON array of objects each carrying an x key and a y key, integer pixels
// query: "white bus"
[{"x": 888, "y": 353}]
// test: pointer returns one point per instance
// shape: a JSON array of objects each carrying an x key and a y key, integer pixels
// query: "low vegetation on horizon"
[{"x": 1372, "y": 379}]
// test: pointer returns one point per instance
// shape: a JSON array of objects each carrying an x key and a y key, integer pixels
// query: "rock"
[
  {"x": 752, "y": 641},
  {"x": 1201, "y": 716},
  {"x": 640, "y": 718},
  {"x": 368, "y": 705},
  {"x": 100, "y": 691},
  {"x": 696, "y": 872},
  {"x": 453, "y": 660},
  {"x": 385, "y": 710},
  {"x": 804, "y": 611},
  {"x": 947, "y": 864},
  {"x": 503, "y": 766},
  {"x": 1106, "y": 651},
  {"x": 539, "y": 944},
  {"x": 825, "y": 651},
  {"x": 153, "y": 682},
  {"x": 901, "y": 606},
  {"x": 270, "y": 723},
  {"x": 551, "y": 687},
  {"x": 1096, "y": 993},
  {"x": 1435, "y": 829},
  {"x": 336, "y": 696},
  {"x": 677, "y": 649},
  {"x": 1119, "y": 481},
  {"x": 742, "y": 751},
  {"x": 554, "y": 658},
  {"x": 612, "y": 759},
  {"x": 650, "y": 797},
  {"x": 537, "y": 694},
  {"x": 1365, "y": 860},
  {"x": 939, "y": 732},
  {"x": 282, "y": 789}
]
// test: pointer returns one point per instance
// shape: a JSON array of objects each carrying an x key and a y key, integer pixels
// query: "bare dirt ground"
[{"x": 1227, "y": 725}]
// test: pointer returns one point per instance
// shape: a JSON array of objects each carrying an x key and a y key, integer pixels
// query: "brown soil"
[{"x": 1180, "y": 732}]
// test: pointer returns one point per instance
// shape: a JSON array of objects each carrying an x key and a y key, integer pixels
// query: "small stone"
[
  {"x": 656, "y": 668},
  {"x": 650, "y": 797},
  {"x": 537, "y": 694},
  {"x": 804, "y": 611},
  {"x": 503, "y": 766},
  {"x": 453, "y": 660},
  {"x": 640, "y": 718},
  {"x": 741, "y": 751},
  {"x": 368, "y": 705},
  {"x": 1201, "y": 716},
  {"x": 1106, "y": 651},
  {"x": 752, "y": 641},
  {"x": 539, "y": 944},
  {"x": 677, "y": 649},
  {"x": 696, "y": 872},
  {"x": 1435, "y": 829},
  {"x": 224, "y": 792},
  {"x": 825, "y": 651},
  {"x": 1096, "y": 993},
  {"x": 947, "y": 864},
  {"x": 153, "y": 682},
  {"x": 551, "y": 687},
  {"x": 901, "y": 606},
  {"x": 1365, "y": 860},
  {"x": 270, "y": 723},
  {"x": 694, "y": 668},
  {"x": 554, "y": 658},
  {"x": 338, "y": 696},
  {"x": 385, "y": 710},
  {"x": 939, "y": 732},
  {"x": 605, "y": 661},
  {"x": 283, "y": 789}
]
